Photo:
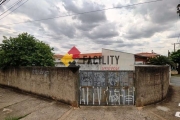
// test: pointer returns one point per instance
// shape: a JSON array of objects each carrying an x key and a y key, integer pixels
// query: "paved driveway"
[{"x": 175, "y": 81}]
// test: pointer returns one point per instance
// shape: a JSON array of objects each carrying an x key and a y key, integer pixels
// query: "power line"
[
  {"x": 14, "y": 9},
  {"x": 178, "y": 11},
  {"x": 11, "y": 7},
  {"x": 86, "y": 12},
  {"x": 36, "y": 36},
  {"x": 3, "y": 1}
]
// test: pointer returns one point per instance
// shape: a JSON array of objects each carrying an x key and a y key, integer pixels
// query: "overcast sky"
[{"x": 141, "y": 28}]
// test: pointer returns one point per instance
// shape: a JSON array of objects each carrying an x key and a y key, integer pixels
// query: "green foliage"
[
  {"x": 175, "y": 56},
  {"x": 161, "y": 60},
  {"x": 25, "y": 50}
]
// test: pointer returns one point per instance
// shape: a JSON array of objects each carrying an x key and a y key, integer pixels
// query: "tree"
[
  {"x": 175, "y": 56},
  {"x": 25, "y": 50},
  {"x": 161, "y": 60}
]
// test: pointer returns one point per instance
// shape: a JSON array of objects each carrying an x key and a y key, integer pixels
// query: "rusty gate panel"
[{"x": 106, "y": 88}]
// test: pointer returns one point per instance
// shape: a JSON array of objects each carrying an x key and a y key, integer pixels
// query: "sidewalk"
[
  {"x": 30, "y": 107},
  {"x": 14, "y": 104}
]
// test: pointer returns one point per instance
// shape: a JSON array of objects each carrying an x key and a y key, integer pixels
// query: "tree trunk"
[{"x": 178, "y": 68}]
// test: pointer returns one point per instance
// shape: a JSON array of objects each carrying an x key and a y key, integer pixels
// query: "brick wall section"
[
  {"x": 152, "y": 83},
  {"x": 57, "y": 83}
]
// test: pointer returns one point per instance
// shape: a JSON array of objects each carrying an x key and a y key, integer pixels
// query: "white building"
[{"x": 107, "y": 60}]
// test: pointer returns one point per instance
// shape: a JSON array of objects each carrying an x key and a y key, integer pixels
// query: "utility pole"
[
  {"x": 169, "y": 53},
  {"x": 178, "y": 9},
  {"x": 175, "y": 46},
  {"x": 178, "y": 42}
]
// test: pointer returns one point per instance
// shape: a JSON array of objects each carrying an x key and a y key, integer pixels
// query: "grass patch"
[
  {"x": 15, "y": 118},
  {"x": 12, "y": 118}
]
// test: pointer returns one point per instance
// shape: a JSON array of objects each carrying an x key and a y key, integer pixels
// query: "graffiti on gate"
[
  {"x": 99, "y": 79},
  {"x": 113, "y": 98},
  {"x": 86, "y": 78},
  {"x": 106, "y": 88},
  {"x": 116, "y": 97},
  {"x": 113, "y": 78}
]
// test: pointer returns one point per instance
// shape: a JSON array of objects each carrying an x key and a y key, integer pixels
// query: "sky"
[{"x": 141, "y": 28}]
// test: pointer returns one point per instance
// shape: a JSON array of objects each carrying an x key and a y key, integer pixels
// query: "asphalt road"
[{"x": 175, "y": 81}]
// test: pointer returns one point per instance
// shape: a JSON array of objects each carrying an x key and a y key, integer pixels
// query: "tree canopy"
[
  {"x": 176, "y": 58},
  {"x": 25, "y": 50},
  {"x": 160, "y": 60}
]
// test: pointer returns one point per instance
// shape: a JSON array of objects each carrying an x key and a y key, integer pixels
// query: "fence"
[{"x": 106, "y": 88}]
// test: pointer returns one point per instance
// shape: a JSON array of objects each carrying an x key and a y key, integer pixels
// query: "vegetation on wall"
[
  {"x": 160, "y": 60},
  {"x": 175, "y": 56}
]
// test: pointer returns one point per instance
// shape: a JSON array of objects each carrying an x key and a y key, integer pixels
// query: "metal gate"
[{"x": 106, "y": 88}]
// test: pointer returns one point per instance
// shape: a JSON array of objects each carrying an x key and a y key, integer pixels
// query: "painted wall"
[
  {"x": 151, "y": 83},
  {"x": 125, "y": 61},
  {"x": 57, "y": 83}
]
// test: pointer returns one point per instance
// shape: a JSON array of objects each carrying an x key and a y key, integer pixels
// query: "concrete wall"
[
  {"x": 83, "y": 66},
  {"x": 152, "y": 83},
  {"x": 57, "y": 83}
]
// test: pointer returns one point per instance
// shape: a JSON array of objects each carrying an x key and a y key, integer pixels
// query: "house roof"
[
  {"x": 146, "y": 54},
  {"x": 143, "y": 54},
  {"x": 58, "y": 56},
  {"x": 81, "y": 55},
  {"x": 90, "y": 55}
]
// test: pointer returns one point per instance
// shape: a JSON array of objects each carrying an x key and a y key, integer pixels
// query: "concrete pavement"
[
  {"x": 13, "y": 104},
  {"x": 175, "y": 81},
  {"x": 30, "y": 107}
]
